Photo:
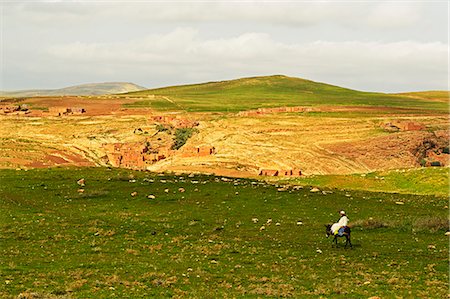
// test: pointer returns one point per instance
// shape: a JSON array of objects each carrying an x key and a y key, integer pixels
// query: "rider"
[{"x": 338, "y": 228}]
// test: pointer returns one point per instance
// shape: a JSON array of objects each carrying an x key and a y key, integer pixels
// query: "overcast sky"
[{"x": 386, "y": 46}]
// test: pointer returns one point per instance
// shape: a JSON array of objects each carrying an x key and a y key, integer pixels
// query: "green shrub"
[
  {"x": 161, "y": 128},
  {"x": 181, "y": 136}
]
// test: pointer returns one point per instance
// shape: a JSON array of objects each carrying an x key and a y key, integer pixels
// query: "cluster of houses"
[
  {"x": 135, "y": 155},
  {"x": 262, "y": 111},
  {"x": 274, "y": 172},
  {"x": 61, "y": 111}
]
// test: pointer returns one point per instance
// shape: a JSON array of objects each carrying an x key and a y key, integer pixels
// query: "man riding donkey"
[{"x": 339, "y": 227}]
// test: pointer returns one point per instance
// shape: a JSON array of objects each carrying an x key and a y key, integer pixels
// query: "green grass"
[
  {"x": 271, "y": 91},
  {"x": 105, "y": 243},
  {"x": 421, "y": 181}
]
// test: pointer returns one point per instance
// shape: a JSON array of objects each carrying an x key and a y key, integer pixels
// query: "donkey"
[{"x": 346, "y": 234}]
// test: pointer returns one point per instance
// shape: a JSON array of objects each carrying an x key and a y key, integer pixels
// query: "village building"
[
  {"x": 287, "y": 173},
  {"x": 133, "y": 155},
  {"x": 61, "y": 111},
  {"x": 200, "y": 151}
]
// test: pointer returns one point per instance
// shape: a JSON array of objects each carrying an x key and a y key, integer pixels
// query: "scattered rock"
[
  {"x": 431, "y": 246},
  {"x": 166, "y": 190},
  {"x": 133, "y": 194},
  {"x": 262, "y": 228},
  {"x": 299, "y": 223},
  {"x": 269, "y": 221},
  {"x": 255, "y": 220},
  {"x": 191, "y": 175},
  {"x": 399, "y": 203},
  {"x": 315, "y": 189},
  {"x": 447, "y": 233},
  {"x": 27, "y": 295},
  {"x": 236, "y": 193},
  {"x": 151, "y": 196},
  {"x": 80, "y": 190},
  {"x": 81, "y": 182},
  {"x": 181, "y": 190},
  {"x": 278, "y": 224},
  {"x": 132, "y": 181},
  {"x": 318, "y": 250}
]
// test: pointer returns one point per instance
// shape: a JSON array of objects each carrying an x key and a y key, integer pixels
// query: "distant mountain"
[{"x": 82, "y": 90}]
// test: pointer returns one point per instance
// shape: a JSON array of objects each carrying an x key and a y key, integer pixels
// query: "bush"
[
  {"x": 431, "y": 223},
  {"x": 161, "y": 128},
  {"x": 181, "y": 136},
  {"x": 369, "y": 224}
]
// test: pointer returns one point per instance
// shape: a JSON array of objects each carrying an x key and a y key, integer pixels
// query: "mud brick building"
[
  {"x": 133, "y": 155},
  {"x": 200, "y": 151},
  {"x": 60, "y": 111},
  {"x": 262, "y": 111},
  {"x": 274, "y": 172}
]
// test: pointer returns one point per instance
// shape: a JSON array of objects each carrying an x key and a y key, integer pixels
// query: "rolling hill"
[
  {"x": 83, "y": 89},
  {"x": 270, "y": 91}
]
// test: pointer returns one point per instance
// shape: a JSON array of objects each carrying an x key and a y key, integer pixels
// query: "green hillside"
[{"x": 269, "y": 91}]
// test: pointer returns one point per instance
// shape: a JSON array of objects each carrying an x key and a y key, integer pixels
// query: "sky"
[{"x": 387, "y": 46}]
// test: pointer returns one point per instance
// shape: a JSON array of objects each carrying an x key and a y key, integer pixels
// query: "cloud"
[
  {"x": 182, "y": 53},
  {"x": 384, "y": 14}
]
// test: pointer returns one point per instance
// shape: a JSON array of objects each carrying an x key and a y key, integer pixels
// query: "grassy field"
[
  {"x": 421, "y": 181},
  {"x": 206, "y": 239},
  {"x": 270, "y": 91}
]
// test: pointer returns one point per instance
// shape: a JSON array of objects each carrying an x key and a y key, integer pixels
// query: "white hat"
[{"x": 342, "y": 212}]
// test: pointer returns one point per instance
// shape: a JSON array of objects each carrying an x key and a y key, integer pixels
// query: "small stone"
[
  {"x": 269, "y": 221},
  {"x": 151, "y": 196},
  {"x": 315, "y": 189},
  {"x": 278, "y": 224},
  {"x": 166, "y": 190},
  {"x": 132, "y": 181},
  {"x": 133, "y": 194},
  {"x": 80, "y": 190},
  {"x": 81, "y": 182},
  {"x": 262, "y": 228},
  {"x": 299, "y": 223},
  {"x": 447, "y": 233},
  {"x": 236, "y": 193},
  {"x": 399, "y": 203},
  {"x": 318, "y": 250},
  {"x": 181, "y": 190},
  {"x": 255, "y": 220}
]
